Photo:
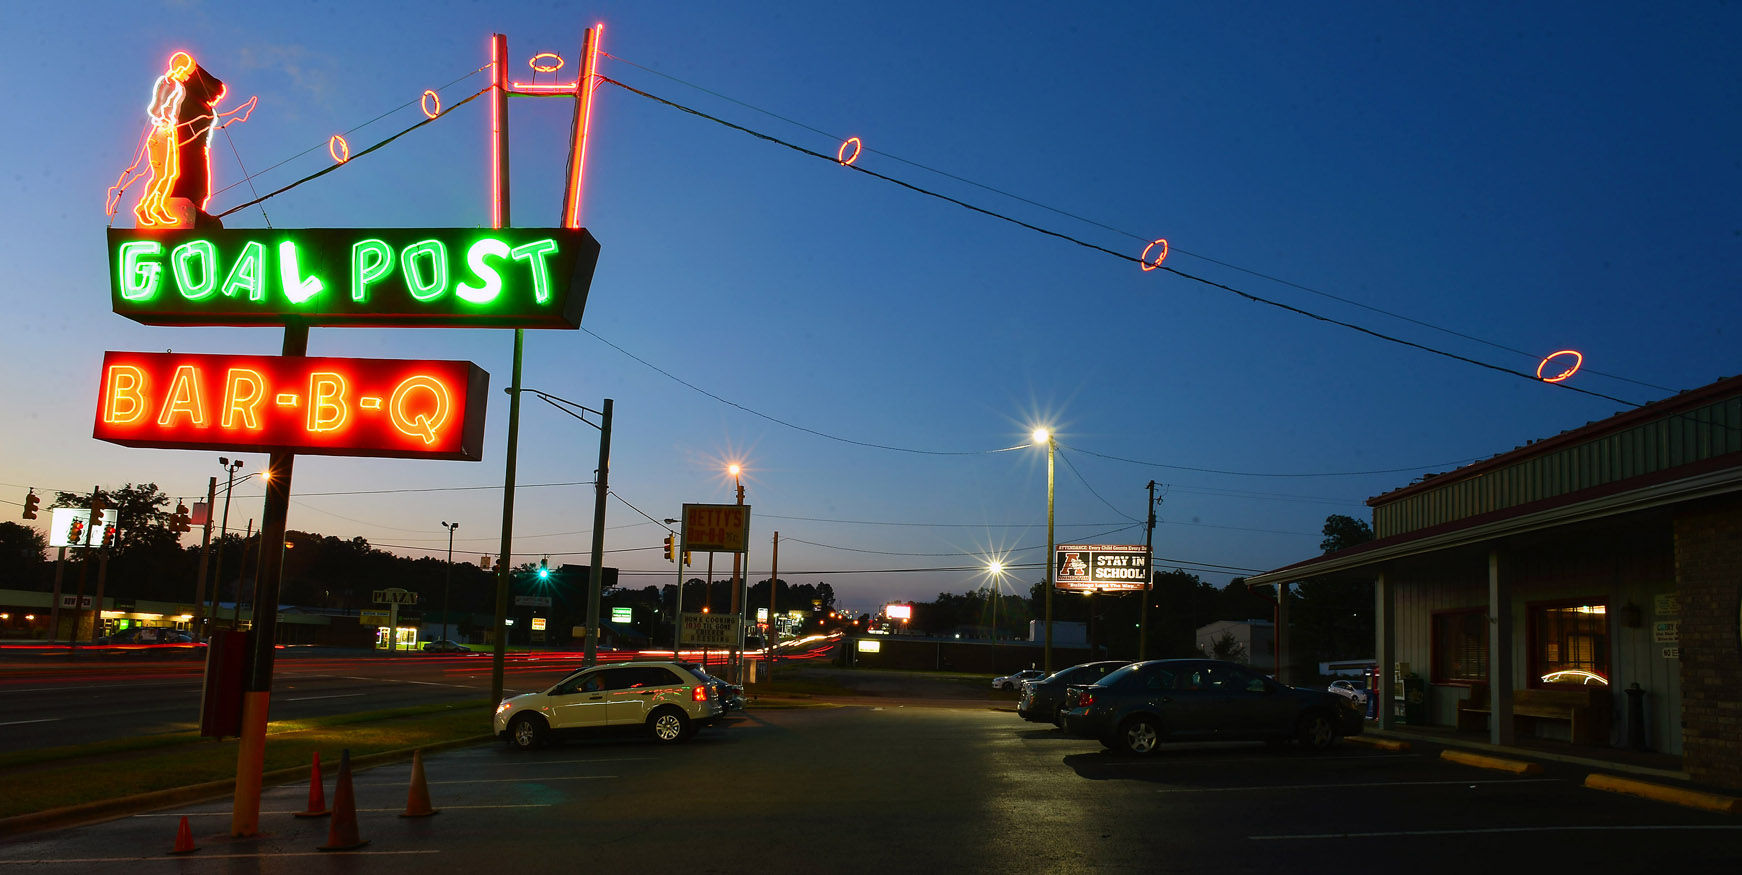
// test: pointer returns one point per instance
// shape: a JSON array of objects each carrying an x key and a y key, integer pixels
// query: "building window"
[
  {"x": 1460, "y": 647},
  {"x": 1569, "y": 645}
]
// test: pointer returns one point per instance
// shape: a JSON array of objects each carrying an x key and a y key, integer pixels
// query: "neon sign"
[
  {"x": 1578, "y": 362},
  {"x": 452, "y": 277},
  {"x": 326, "y": 406},
  {"x": 181, "y": 116}
]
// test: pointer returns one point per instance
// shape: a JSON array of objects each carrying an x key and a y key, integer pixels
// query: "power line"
[
  {"x": 1119, "y": 255},
  {"x": 1127, "y": 233}
]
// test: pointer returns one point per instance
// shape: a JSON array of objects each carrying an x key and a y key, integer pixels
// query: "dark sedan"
[
  {"x": 1141, "y": 705},
  {"x": 1043, "y": 700}
]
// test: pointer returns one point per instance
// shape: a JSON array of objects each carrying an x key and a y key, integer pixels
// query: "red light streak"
[
  {"x": 533, "y": 62},
  {"x": 425, "y": 103},
  {"x": 841, "y": 153},
  {"x": 1578, "y": 362},
  {"x": 1152, "y": 265},
  {"x": 339, "y": 148}
]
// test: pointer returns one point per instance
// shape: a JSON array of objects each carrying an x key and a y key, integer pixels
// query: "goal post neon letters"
[{"x": 408, "y": 277}]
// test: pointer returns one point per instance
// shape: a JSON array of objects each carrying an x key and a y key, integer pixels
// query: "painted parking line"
[
  {"x": 1173, "y": 762},
  {"x": 334, "y": 696},
  {"x": 507, "y": 780},
  {"x": 164, "y": 858},
  {"x": 1275, "y": 787},
  {"x": 360, "y": 810},
  {"x": 22, "y": 722},
  {"x": 577, "y": 762},
  {"x": 1495, "y": 830}
]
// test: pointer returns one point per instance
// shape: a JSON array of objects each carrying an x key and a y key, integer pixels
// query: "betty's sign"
[{"x": 415, "y": 277}]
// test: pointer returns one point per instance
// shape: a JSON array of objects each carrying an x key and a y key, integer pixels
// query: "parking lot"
[{"x": 901, "y": 788}]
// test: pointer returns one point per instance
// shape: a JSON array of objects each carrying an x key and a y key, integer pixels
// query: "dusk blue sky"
[{"x": 1528, "y": 178}]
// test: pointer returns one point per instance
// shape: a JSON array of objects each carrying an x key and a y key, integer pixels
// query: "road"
[
  {"x": 54, "y": 701},
  {"x": 929, "y": 789}
]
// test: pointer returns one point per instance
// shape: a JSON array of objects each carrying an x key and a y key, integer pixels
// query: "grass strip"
[{"x": 110, "y": 770}]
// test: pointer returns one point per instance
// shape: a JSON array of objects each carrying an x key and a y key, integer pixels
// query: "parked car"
[
  {"x": 731, "y": 695},
  {"x": 667, "y": 700},
  {"x": 1015, "y": 681},
  {"x": 444, "y": 645},
  {"x": 147, "y": 635},
  {"x": 1043, "y": 699},
  {"x": 1137, "y": 707},
  {"x": 1350, "y": 689}
]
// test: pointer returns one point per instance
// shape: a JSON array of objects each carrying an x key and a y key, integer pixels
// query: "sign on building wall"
[
  {"x": 326, "y": 406},
  {"x": 1100, "y": 567},
  {"x": 413, "y": 277}
]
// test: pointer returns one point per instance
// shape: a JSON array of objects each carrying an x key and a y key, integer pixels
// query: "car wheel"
[
  {"x": 1138, "y": 735},
  {"x": 1316, "y": 732},
  {"x": 527, "y": 732},
  {"x": 668, "y": 726},
  {"x": 1058, "y": 716}
]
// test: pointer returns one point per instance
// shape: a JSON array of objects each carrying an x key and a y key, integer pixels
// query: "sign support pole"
[
  {"x": 500, "y": 219},
  {"x": 1148, "y": 578},
  {"x": 60, "y": 562},
  {"x": 257, "y": 692}
]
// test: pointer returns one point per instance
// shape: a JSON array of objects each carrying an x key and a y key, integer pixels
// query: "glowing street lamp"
[{"x": 1046, "y": 436}]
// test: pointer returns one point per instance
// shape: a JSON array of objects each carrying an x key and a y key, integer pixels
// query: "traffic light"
[
  {"x": 76, "y": 532},
  {"x": 686, "y": 557},
  {"x": 109, "y": 536},
  {"x": 484, "y": 562},
  {"x": 98, "y": 505},
  {"x": 30, "y": 504},
  {"x": 544, "y": 569},
  {"x": 182, "y": 520},
  {"x": 670, "y": 541}
]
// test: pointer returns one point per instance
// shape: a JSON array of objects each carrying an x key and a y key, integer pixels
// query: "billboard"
[
  {"x": 325, "y": 406},
  {"x": 1100, "y": 567},
  {"x": 716, "y": 528},
  {"x": 406, "y": 277}
]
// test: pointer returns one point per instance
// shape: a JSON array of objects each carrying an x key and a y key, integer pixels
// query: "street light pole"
[
  {"x": 223, "y": 530},
  {"x": 448, "y": 580},
  {"x": 1041, "y": 434},
  {"x": 737, "y": 597}
]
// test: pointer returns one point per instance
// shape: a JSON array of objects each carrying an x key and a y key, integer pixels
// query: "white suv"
[{"x": 668, "y": 699}]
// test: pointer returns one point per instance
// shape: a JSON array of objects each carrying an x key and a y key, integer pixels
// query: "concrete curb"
[
  {"x": 1665, "y": 793},
  {"x": 1516, "y": 767},
  {"x": 107, "y": 809}
]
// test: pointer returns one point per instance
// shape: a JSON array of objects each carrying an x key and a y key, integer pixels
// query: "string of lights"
[
  {"x": 1137, "y": 260},
  {"x": 1124, "y": 232}
]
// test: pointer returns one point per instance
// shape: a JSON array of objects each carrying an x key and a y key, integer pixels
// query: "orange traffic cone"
[
  {"x": 184, "y": 839},
  {"x": 342, "y": 834},
  {"x": 417, "y": 801},
  {"x": 317, "y": 797}
]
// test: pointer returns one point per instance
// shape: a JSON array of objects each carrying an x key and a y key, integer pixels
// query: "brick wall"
[{"x": 1708, "y": 560}]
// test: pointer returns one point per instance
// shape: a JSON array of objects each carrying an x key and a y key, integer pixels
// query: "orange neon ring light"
[
  {"x": 841, "y": 153},
  {"x": 533, "y": 62},
  {"x": 339, "y": 148},
  {"x": 1152, "y": 265},
  {"x": 424, "y": 104},
  {"x": 1578, "y": 362}
]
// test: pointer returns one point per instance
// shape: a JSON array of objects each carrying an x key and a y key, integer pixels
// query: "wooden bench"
[{"x": 1585, "y": 709}]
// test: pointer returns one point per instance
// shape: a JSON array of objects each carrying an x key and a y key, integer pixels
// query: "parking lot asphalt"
[{"x": 891, "y": 786}]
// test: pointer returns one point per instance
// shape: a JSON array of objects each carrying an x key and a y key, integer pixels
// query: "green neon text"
[{"x": 139, "y": 278}]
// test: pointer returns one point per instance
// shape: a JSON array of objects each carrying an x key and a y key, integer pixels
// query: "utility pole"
[
  {"x": 1148, "y": 579},
  {"x": 448, "y": 579},
  {"x": 769, "y": 636},
  {"x": 595, "y": 578},
  {"x": 499, "y": 218}
]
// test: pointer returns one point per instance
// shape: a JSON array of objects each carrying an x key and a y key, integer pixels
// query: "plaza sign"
[
  {"x": 409, "y": 277},
  {"x": 1100, "y": 567},
  {"x": 326, "y": 406}
]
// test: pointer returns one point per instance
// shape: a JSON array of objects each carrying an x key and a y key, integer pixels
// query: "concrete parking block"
[
  {"x": 1665, "y": 793},
  {"x": 1480, "y": 761}
]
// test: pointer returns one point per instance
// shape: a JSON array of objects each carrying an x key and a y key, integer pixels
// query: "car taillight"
[
  {"x": 699, "y": 692},
  {"x": 1085, "y": 699}
]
